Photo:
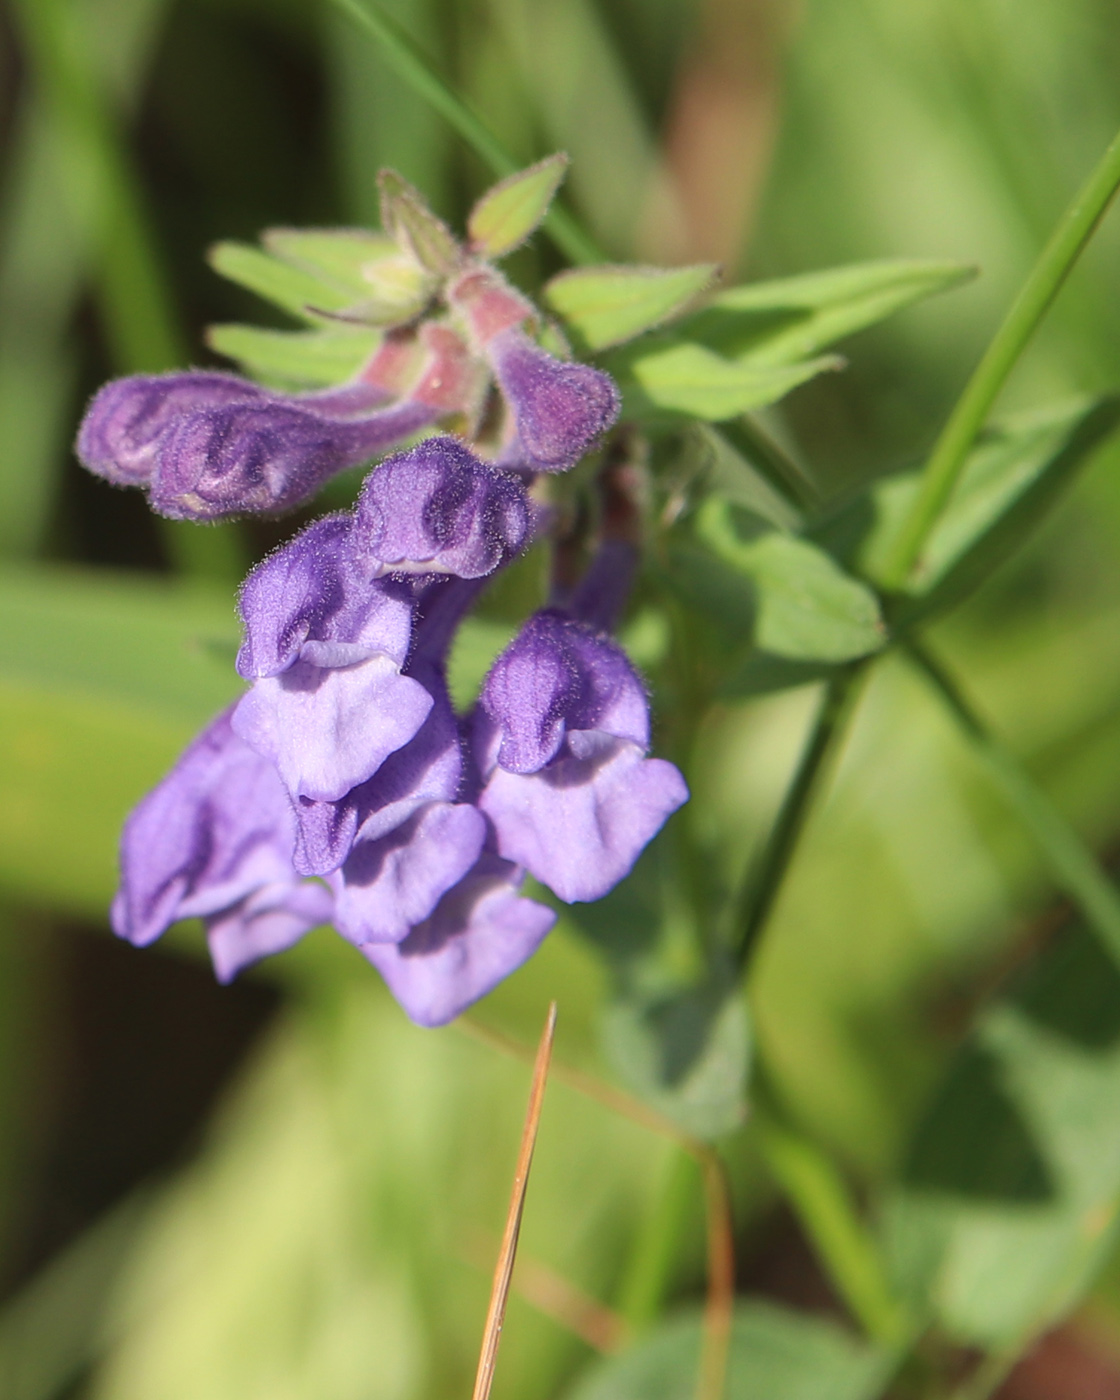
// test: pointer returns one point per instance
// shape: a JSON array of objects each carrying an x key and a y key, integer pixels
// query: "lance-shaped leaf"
[
  {"x": 693, "y": 380},
  {"x": 1010, "y": 1192},
  {"x": 293, "y": 289},
  {"x": 794, "y": 318},
  {"x": 509, "y": 211},
  {"x": 775, "y": 1354},
  {"x": 608, "y": 305},
  {"x": 1012, "y": 479},
  {"x": 406, "y": 218},
  {"x": 339, "y": 256},
  {"x": 808, "y": 608},
  {"x": 295, "y": 359}
]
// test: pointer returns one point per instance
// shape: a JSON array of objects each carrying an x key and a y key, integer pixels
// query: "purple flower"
[
  {"x": 214, "y": 841},
  {"x": 559, "y": 407},
  {"x": 561, "y": 737},
  {"x": 479, "y": 932},
  {"x": 438, "y": 508},
  {"x": 324, "y": 647},
  {"x": 207, "y": 445}
]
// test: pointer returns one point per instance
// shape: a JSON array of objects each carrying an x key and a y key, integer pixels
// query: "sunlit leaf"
[
  {"x": 795, "y": 318},
  {"x": 406, "y": 217},
  {"x": 291, "y": 288},
  {"x": 808, "y": 608},
  {"x": 1012, "y": 479},
  {"x": 340, "y": 256},
  {"x": 608, "y": 305},
  {"x": 776, "y": 1354},
  {"x": 509, "y": 211},
  {"x": 295, "y": 359},
  {"x": 694, "y": 380}
]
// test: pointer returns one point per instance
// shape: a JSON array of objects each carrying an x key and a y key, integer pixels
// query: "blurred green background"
[{"x": 282, "y": 1189}]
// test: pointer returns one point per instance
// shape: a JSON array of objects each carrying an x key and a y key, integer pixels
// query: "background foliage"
[{"x": 284, "y": 1190}]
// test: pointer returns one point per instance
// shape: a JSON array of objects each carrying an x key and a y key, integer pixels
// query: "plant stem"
[
  {"x": 412, "y": 65},
  {"x": 820, "y": 1199},
  {"x": 1054, "y": 264},
  {"x": 1072, "y": 863},
  {"x": 760, "y": 888}
]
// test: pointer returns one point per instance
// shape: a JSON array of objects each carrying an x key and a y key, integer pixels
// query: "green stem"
[
  {"x": 412, "y": 65},
  {"x": 649, "y": 1272},
  {"x": 947, "y": 460},
  {"x": 761, "y": 887},
  {"x": 820, "y": 1199},
  {"x": 1072, "y": 863}
]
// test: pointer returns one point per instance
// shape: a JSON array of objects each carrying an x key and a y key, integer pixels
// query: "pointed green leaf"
[
  {"x": 295, "y": 359},
  {"x": 608, "y": 305},
  {"x": 809, "y": 609},
  {"x": 509, "y": 211},
  {"x": 791, "y": 319},
  {"x": 776, "y": 1354},
  {"x": 293, "y": 288},
  {"x": 1012, "y": 479},
  {"x": 406, "y": 218},
  {"x": 339, "y": 256},
  {"x": 693, "y": 380}
]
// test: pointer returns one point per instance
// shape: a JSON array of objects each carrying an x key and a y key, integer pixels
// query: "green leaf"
[
  {"x": 295, "y": 359},
  {"x": 103, "y": 680},
  {"x": 608, "y": 305},
  {"x": 775, "y": 1354},
  {"x": 293, "y": 289},
  {"x": 694, "y": 380},
  {"x": 406, "y": 217},
  {"x": 809, "y": 609},
  {"x": 793, "y": 318},
  {"x": 509, "y": 211},
  {"x": 686, "y": 1054},
  {"x": 1012, "y": 479},
  {"x": 736, "y": 479},
  {"x": 1010, "y": 1191},
  {"x": 342, "y": 257}
]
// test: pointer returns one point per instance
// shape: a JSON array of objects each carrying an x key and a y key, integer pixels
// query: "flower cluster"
[{"x": 342, "y": 787}]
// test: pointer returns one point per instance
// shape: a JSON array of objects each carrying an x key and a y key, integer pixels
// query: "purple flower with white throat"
[
  {"x": 213, "y": 841},
  {"x": 561, "y": 737},
  {"x": 324, "y": 647}
]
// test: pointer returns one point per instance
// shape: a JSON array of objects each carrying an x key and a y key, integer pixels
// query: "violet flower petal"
[
  {"x": 120, "y": 433},
  {"x": 439, "y": 508},
  {"x": 270, "y": 920},
  {"x": 389, "y": 885},
  {"x": 560, "y": 407},
  {"x": 218, "y": 827},
  {"x": 580, "y": 824},
  {"x": 480, "y": 932},
  {"x": 427, "y": 769},
  {"x": 329, "y": 730},
  {"x": 559, "y": 674},
  {"x": 266, "y": 456},
  {"x": 308, "y": 601}
]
